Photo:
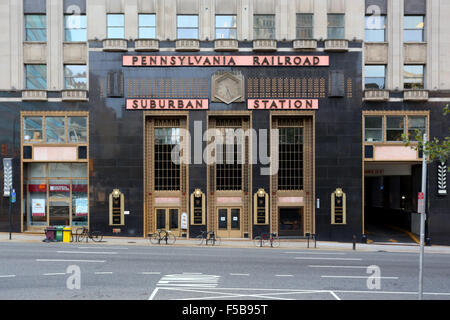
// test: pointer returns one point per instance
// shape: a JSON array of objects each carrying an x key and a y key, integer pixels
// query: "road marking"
[
  {"x": 302, "y": 252},
  {"x": 103, "y": 272},
  {"x": 189, "y": 280},
  {"x": 112, "y": 248},
  {"x": 65, "y": 260},
  {"x": 283, "y": 275},
  {"x": 239, "y": 274},
  {"x": 54, "y": 274},
  {"x": 87, "y": 252},
  {"x": 344, "y": 267},
  {"x": 153, "y": 294},
  {"x": 314, "y": 258},
  {"x": 335, "y": 295},
  {"x": 359, "y": 277},
  {"x": 7, "y": 276},
  {"x": 150, "y": 272}
]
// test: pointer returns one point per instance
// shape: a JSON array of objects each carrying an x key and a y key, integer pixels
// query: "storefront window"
[
  {"x": 55, "y": 129},
  {"x": 32, "y": 129},
  {"x": 37, "y": 202},
  {"x": 59, "y": 170},
  {"x": 80, "y": 204}
]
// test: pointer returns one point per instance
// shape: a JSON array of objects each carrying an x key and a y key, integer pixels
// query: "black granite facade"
[{"x": 117, "y": 135}]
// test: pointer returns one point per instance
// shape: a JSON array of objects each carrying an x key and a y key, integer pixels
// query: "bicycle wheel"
[
  {"x": 275, "y": 242},
  {"x": 171, "y": 239},
  {"x": 97, "y": 236},
  {"x": 257, "y": 241},
  {"x": 217, "y": 241},
  {"x": 81, "y": 235},
  {"x": 200, "y": 239},
  {"x": 154, "y": 238}
]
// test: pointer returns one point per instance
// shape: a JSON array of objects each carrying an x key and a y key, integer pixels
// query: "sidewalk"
[{"x": 242, "y": 243}]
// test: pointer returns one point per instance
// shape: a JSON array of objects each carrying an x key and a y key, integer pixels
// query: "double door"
[
  {"x": 168, "y": 219},
  {"x": 229, "y": 222}
]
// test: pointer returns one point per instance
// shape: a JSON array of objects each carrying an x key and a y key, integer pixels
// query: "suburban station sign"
[
  {"x": 167, "y": 104},
  {"x": 283, "y": 104},
  {"x": 224, "y": 61}
]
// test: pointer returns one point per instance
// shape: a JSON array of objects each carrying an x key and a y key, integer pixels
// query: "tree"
[{"x": 433, "y": 149}]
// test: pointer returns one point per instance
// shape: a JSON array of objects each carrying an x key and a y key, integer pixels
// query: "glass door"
[
  {"x": 59, "y": 204},
  {"x": 168, "y": 219},
  {"x": 229, "y": 222}
]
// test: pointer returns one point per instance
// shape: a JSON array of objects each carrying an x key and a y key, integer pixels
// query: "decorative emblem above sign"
[
  {"x": 228, "y": 87},
  {"x": 224, "y": 61}
]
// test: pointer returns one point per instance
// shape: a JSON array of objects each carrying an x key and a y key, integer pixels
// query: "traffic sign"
[
  {"x": 421, "y": 203},
  {"x": 7, "y": 175}
]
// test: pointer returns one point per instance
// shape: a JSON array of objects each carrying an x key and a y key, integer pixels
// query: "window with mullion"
[
  {"x": 374, "y": 76},
  {"x": 375, "y": 28},
  {"x": 229, "y": 160},
  {"x": 147, "y": 26},
  {"x": 336, "y": 26},
  {"x": 290, "y": 155},
  {"x": 36, "y": 27},
  {"x": 373, "y": 128},
  {"x": 75, "y": 77},
  {"x": 36, "y": 76},
  {"x": 418, "y": 123},
  {"x": 264, "y": 26},
  {"x": 305, "y": 26},
  {"x": 115, "y": 26},
  {"x": 187, "y": 26},
  {"x": 413, "y": 28},
  {"x": 413, "y": 77},
  {"x": 395, "y": 127},
  {"x": 75, "y": 28},
  {"x": 167, "y": 171},
  {"x": 226, "y": 27}
]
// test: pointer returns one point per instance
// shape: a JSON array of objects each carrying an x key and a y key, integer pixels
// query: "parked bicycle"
[
  {"x": 266, "y": 239},
  {"x": 84, "y": 233},
  {"x": 208, "y": 236},
  {"x": 162, "y": 235}
]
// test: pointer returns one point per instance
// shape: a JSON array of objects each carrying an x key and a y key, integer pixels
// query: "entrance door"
[
  {"x": 168, "y": 219},
  {"x": 59, "y": 210},
  {"x": 229, "y": 223},
  {"x": 290, "y": 222}
]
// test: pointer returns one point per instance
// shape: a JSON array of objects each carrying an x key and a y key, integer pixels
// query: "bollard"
[
  {"x": 354, "y": 242},
  {"x": 315, "y": 241}
]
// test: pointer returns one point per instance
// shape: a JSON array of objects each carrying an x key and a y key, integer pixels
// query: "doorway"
[
  {"x": 290, "y": 222},
  {"x": 229, "y": 222},
  {"x": 168, "y": 219}
]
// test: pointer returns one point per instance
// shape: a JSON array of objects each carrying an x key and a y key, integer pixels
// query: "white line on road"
[
  {"x": 103, "y": 272},
  {"x": 343, "y": 267},
  {"x": 359, "y": 277},
  {"x": 283, "y": 275},
  {"x": 65, "y": 260},
  {"x": 153, "y": 294},
  {"x": 335, "y": 295},
  {"x": 302, "y": 252},
  {"x": 7, "y": 276},
  {"x": 54, "y": 274},
  {"x": 112, "y": 248},
  {"x": 88, "y": 252},
  {"x": 314, "y": 258},
  {"x": 150, "y": 272},
  {"x": 239, "y": 274}
]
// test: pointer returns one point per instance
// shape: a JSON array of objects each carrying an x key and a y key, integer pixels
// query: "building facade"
[{"x": 240, "y": 117}]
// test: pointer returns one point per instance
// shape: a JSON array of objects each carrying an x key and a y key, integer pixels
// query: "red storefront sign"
[
  {"x": 57, "y": 188},
  {"x": 283, "y": 104},
  {"x": 223, "y": 61}
]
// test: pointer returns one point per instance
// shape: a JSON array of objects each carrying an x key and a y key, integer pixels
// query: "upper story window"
[
  {"x": 58, "y": 129},
  {"x": 264, "y": 26},
  {"x": 75, "y": 77},
  {"x": 226, "y": 27},
  {"x": 75, "y": 28},
  {"x": 115, "y": 26},
  {"x": 375, "y": 29},
  {"x": 305, "y": 26},
  {"x": 36, "y": 76},
  {"x": 147, "y": 26},
  {"x": 413, "y": 77},
  {"x": 35, "y": 27},
  {"x": 390, "y": 127},
  {"x": 374, "y": 76},
  {"x": 413, "y": 30},
  {"x": 187, "y": 26},
  {"x": 336, "y": 26}
]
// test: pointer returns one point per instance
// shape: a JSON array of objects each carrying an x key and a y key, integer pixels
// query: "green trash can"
[{"x": 59, "y": 233}]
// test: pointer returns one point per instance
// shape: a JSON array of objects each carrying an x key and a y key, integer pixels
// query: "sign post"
[
  {"x": 422, "y": 211},
  {"x": 8, "y": 191}
]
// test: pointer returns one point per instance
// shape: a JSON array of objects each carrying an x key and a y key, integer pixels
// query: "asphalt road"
[{"x": 50, "y": 271}]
